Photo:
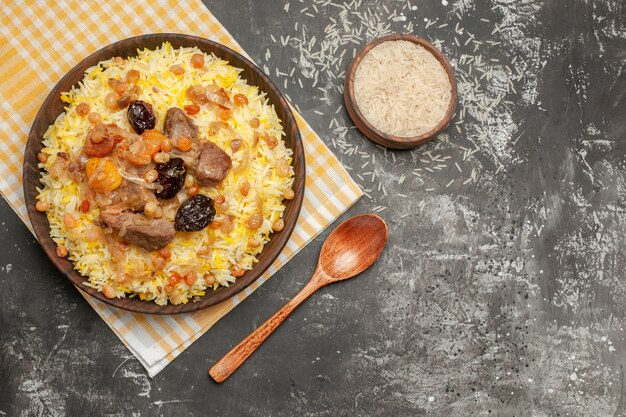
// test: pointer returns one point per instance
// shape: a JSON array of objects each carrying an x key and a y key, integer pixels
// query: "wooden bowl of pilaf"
[
  {"x": 390, "y": 110},
  {"x": 54, "y": 106}
]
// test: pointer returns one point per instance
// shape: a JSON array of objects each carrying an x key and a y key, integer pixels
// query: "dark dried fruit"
[
  {"x": 194, "y": 214},
  {"x": 140, "y": 116},
  {"x": 171, "y": 178}
]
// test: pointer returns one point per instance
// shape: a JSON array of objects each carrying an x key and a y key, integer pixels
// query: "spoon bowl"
[
  {"x": 349, "y": 250},
  {"x": 353, "y": 247}
]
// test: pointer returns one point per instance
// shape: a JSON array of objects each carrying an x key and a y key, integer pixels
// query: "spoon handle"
[{"x": 237, "y": 355}]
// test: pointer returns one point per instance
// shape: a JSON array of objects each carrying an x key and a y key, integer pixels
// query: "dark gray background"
[{"x": 502, "y": 290}]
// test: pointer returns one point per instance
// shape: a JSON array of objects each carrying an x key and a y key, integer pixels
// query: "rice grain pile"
[
  {"x": 402, "y": 89},
  {"x": 207, "y": 258}
]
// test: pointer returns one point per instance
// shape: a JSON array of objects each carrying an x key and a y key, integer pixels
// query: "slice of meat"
[
  {"x": 149, "y": 234},
  {"x": 130, "y": 196},
  {"x": 213, "y": 164},
  {"x": 177, "y": 125}
]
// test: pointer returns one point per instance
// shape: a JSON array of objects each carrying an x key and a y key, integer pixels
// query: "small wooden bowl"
[
  {"x": 392, "y": 141},
  {"x": 53, "y": 106}
]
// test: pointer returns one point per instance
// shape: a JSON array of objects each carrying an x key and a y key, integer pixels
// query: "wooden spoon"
[{"x": 349, "y": 250}]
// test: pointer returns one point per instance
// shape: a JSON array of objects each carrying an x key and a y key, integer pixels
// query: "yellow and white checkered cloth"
[{"x": 42, "y": 40}]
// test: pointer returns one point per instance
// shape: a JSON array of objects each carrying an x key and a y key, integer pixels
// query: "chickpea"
[
  {"x": 61, "y": 251},
  {"x": 82, "y": 109},
  {"x": 254, "y": 243},
  {"x": 255, "y": 221},
  {"x": 289, "y": 194},
  {"x": 108, "y": 291},
  {"x": 69, "y": 221},
  {"x": 177, "y": 70},
  {"x": 151, "y": 175},
  {"x": 254, "y": 123},
  {"x": 197, "y": 60},
  {"x": 41, "y": 206},
  {"x": 188, "y": 181},
  {"x": 161, "y": 158},
  {"x": 94, "y": 118},
  {"x": 96, "y": 137},
  {"x": 278, "y": 225},
  {"x": 42, "y": 157},
  {"x": 152, "y": 209},
  {"x": 209, "y": 279}
]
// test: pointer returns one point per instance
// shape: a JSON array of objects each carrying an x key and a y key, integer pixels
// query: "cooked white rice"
[{"x": 206, "y": 253}]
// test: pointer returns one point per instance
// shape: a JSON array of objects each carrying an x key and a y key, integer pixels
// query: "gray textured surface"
[{"x": 501, "y": 293}]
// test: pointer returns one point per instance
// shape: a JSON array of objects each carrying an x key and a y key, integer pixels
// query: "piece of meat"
[
  {"x": 130, "y": 196},
  {"x": 213, "y": 164},
  {"x": 149, "y": 234},
  {"x": 178, "y": 125}
]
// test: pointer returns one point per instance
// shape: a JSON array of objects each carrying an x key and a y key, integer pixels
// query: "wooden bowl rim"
[
  {"x": 32, "y": 174},
  {"x": 385, "y": 139}
]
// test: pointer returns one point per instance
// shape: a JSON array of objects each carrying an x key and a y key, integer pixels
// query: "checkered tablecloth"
[{"x": 42, "y": 40}]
